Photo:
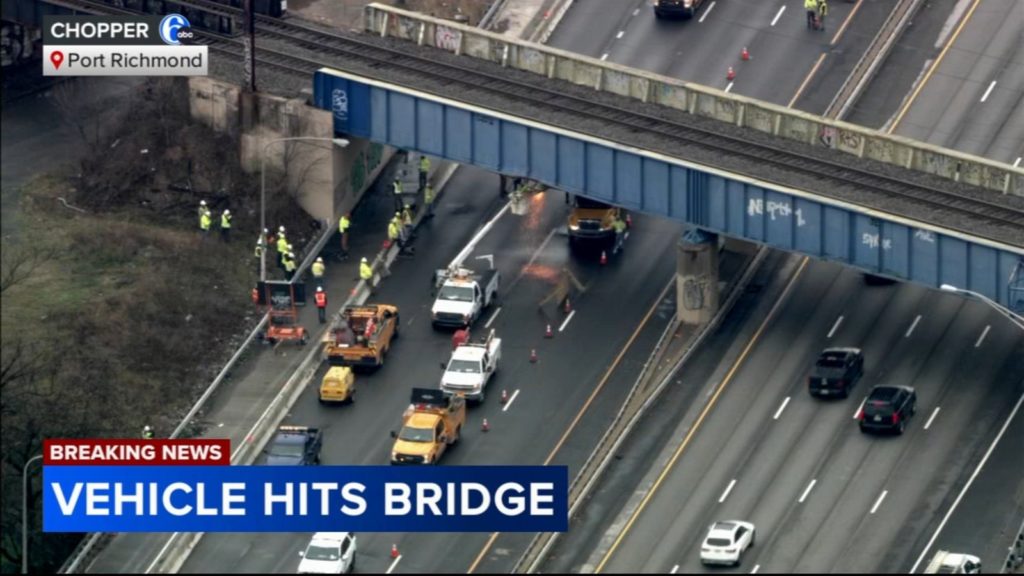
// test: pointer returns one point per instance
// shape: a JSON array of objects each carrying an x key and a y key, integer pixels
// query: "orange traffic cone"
[
  {"x": 745, "y": 55},
  {"x": 255, "y": 296},
  {"x": 504, "y": 396},
  {"x": 485, "y": 426},
  {"x": 533, "y": 356},
  {"x": 394, "y": 550},
  {"x": 629, "y": 221},
  {"x": 568, "y": 306},
  {"x": 731, "y": 74},
  {"x": 547, "y": 333},
  {"x": 604, "y": 258}
]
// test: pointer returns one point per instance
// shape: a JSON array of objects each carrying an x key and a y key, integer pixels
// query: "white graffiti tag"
[
  {"x": 925, "y": 236},
  {"x": 871, "y": 241},
  {"x": 776, "y": 210},
  {"x": 339, "y": 103}
]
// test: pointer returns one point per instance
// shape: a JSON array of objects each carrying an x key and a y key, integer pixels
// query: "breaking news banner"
[
  {"x": 122, "y": 46},
  {"x": 126, "y": 487}
]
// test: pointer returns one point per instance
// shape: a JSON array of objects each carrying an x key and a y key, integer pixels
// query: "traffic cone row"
[{"x": 730, "y": 75}]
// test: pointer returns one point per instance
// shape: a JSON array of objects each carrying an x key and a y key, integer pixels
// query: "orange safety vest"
[{"x": 321, "y": 299}]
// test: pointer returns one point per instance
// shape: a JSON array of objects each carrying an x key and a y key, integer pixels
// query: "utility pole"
[{"x": 249, "y": 22}]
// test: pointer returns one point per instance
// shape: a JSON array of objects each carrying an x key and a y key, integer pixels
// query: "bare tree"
[
  {"x": 300, "y": 157},
  {"x": 17, "y": 263},
  {"x": 75, "y": 103}
]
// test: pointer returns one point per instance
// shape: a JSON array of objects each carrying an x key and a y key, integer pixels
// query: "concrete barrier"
[{"x": 693, "y": 98}]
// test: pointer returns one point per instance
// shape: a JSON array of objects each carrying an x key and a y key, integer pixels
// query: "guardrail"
[{"x": 694, "y": 99}]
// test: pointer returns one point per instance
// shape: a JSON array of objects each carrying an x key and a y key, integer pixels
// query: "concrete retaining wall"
[
  {"x": 693, "y": 98},
  {"x": 314, "y": 167}
]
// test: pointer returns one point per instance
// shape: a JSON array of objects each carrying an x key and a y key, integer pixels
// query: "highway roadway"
[
  {"x": 964, "y": 359},
  {"x": 546, "y": 396}
]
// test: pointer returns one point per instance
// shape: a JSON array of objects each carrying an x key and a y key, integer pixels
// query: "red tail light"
[
  {"x": 860, "y": 414},
  {"x": 895, "y": 418}
]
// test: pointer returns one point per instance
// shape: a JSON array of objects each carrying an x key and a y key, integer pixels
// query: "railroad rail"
[{"x": 342, "y": 50}]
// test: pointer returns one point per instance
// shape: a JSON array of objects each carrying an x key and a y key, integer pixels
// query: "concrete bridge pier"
[{"x": 697, "y": 277}]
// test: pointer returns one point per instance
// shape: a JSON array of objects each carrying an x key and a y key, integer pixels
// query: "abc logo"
[{"x": 171, "y": 29}]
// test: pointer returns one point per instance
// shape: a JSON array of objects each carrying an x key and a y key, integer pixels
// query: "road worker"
[
  {"x": 394, "y": 231},
  {"x": 424, "y": 170},
  {"x": 365, "y": 270},
  {"x": 202, "y": 208},
  {"x": 428, "y": 201},
  {"x": 289, "y": 266},
  {"x": 225, "y": 226},
  {"x": 811, "y": 6},
  {"x": 822, "y": 12},
  {"x": 620, "y": 233},
  {"x": 258, "y": 253},
  {"x": 282, "y": 247},
  {"x": 321, "y": 304},
  {"x": 343, "y": 225},
  {"x": 318, "y": 268},
  {"x": 205, "y": 220},
  {"x": 460, "y": 337},
  {"x": 396, "y": 189},
  {"x": 407, "y": 222},
  {"x": 147, "y": 432}
]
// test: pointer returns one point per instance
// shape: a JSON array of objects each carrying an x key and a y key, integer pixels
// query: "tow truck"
[
  {"x": 295, "y": 446},
  {"x": 471, "y": 367},
  {"x": 462, "y": 295},
  {"x": 431, "y": 424},
  {"x": 363, "y": 337}
]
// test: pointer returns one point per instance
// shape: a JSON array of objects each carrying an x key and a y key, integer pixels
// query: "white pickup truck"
[
  {"x": 462, "y": 296},
  {"x": 471, "y": 367}
]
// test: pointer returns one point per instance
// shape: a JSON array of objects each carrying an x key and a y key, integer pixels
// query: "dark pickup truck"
[
  {"x": 835, "y": 372},
  {"x": 295, "y": 446}
]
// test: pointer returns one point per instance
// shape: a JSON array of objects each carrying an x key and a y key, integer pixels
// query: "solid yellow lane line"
[
  {"x": 700, "y": 419},
  {"x": 849, "y": 17},
  {"x": 494, "y": 535},
  {"x": 933, "y": 68},
  {"x": 807, "y": 80}
]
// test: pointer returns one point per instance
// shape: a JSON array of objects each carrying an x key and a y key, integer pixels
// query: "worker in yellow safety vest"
[
  {"x": 424, "y": 170},
  {"x": 205, "y": 221},
  {"x": 393, "y": 230},
  {"x": 428, "y": 201},
  {"x": 318, "y": 268},
  {"x": 282, "y": 247},
  {"x": 365, "y": 270},
  {"x": 620, "y": 233},
  {"x": 225, "y": 226},
  {"x": 289, "y": 266},
  {"x": 811, "y": 6},
  {"x": 343, "y": 226},
  {"x": 396, "y": 189},
  {"x": 822, "y": 12}
]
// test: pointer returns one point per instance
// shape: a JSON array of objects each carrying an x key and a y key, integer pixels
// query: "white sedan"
[{"x": 726, "y": 542}]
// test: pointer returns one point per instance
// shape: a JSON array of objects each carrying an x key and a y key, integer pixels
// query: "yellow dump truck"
[
  {"x": 363, "y": 336},
  {"x": 592, "y": 221},
  {"x": 431, "y": 424}
]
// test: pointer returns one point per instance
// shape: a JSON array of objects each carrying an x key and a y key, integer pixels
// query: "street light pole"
[
  {"x": 263, "y": 186},
  {"x": 1015, "y": 319},
  {"x": 24, "y": 513}
]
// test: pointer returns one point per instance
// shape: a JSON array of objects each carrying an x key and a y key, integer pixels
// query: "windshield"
[
  {"x": 287, "y": 450},
  {"x": 464, "y": 367},
  {"x": 456, "y": 293},
  {"x": 417, "y": 434},
  {"x": 831, "y": 362},
  {"x": 582, "y": 202},
  {"x": 315, "y": 552}
]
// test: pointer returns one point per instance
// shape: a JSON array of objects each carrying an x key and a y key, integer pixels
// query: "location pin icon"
[{"x": 57, "y": 57}]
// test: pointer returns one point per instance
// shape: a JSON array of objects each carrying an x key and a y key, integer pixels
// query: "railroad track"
[{"x": 344, "y": 48}]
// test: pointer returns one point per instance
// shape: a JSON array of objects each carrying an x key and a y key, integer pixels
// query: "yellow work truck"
[{"x": 431, "y": 424}]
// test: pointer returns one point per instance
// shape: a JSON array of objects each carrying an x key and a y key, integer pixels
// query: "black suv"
[
  {"x": 835, "y": 372},
  {"x": 670, "y": 8},
  {"x": 887, "y": 409}
]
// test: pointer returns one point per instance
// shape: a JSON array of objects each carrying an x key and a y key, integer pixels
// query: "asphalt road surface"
[{"x": 529, "y": 251}]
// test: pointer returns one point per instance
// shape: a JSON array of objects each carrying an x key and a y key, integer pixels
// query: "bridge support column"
[{"x": 697, "y": 277}]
